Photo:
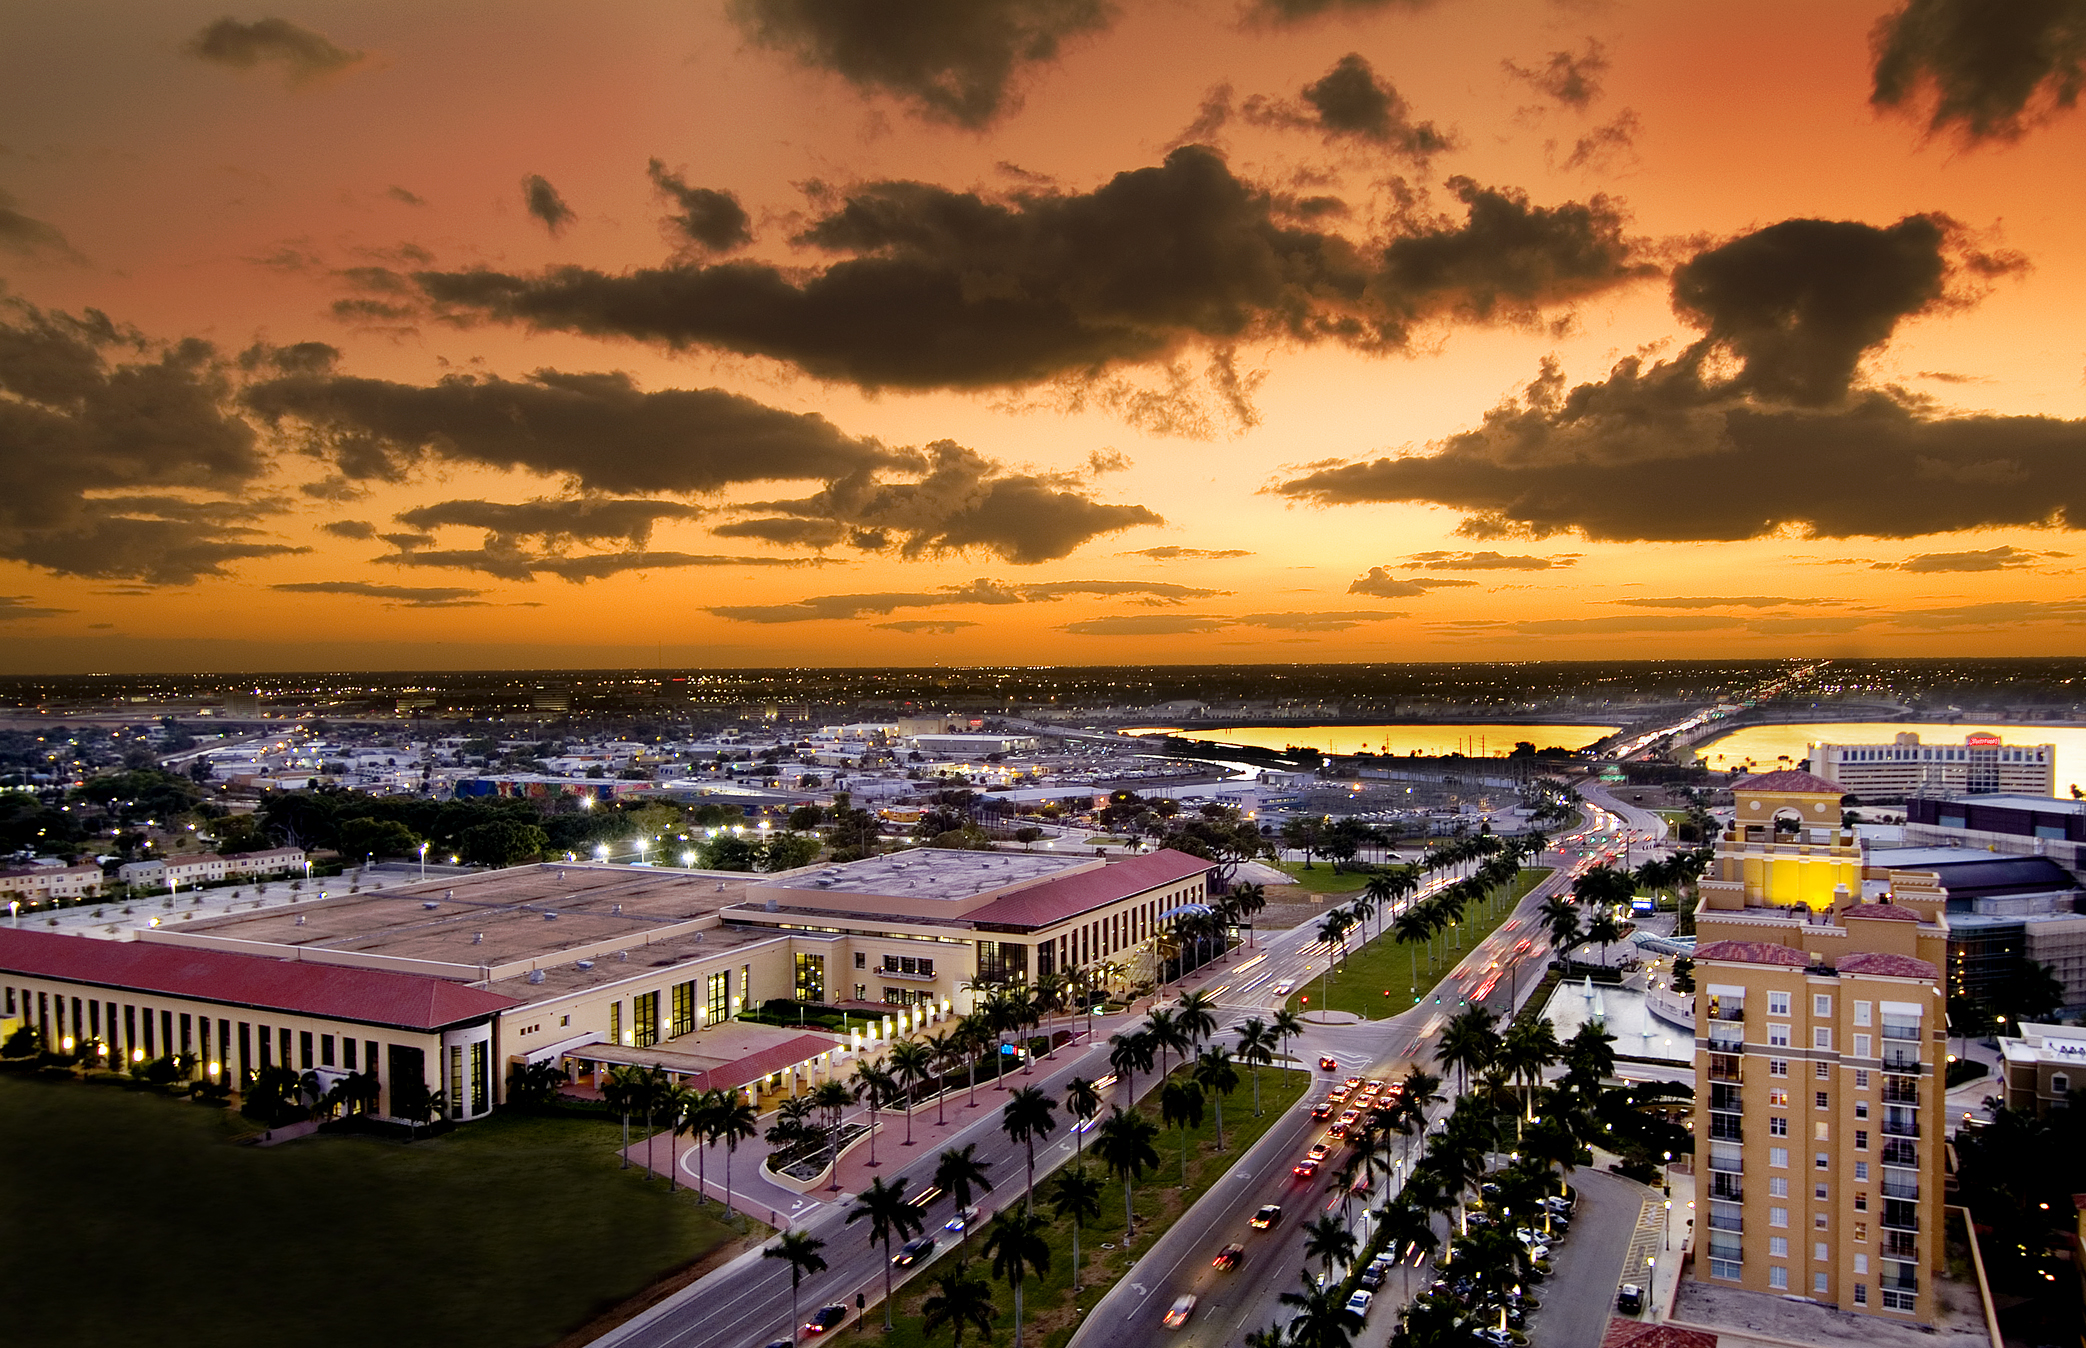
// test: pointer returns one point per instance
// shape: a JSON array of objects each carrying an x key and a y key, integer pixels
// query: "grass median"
[
  {"x": 1051, "y": 1313},
  {"x": 1378, "y": 979},
  {"x": 149, "y": 1222}
]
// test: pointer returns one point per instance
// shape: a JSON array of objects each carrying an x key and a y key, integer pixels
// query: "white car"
[
  {"x": 961, "y": 1221},
  {"x": 1359, "y": 1303}
]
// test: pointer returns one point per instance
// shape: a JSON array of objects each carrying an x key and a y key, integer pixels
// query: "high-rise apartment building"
[
  {"x": 1819, "y": 1053},
  {"x": 1982, "y": 764}
]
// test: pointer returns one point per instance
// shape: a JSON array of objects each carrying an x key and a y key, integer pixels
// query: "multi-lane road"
[{"x": 747, "y": 1303}]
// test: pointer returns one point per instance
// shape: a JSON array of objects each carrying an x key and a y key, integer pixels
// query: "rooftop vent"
[
  {"x": 477, "y": 938},
  {"x": 622, "y": 955},
  {"x": 617, "y": 909},
  {"x": 430, "y": 905},
  {"x": 772, "y": 906},
  {"x": 550, "y": 917},
  {"x": 535, "y": 975},
  {"x": 448, "y": 893},
  {"x": 698, "y": 938},
  {"x": 584, "y": 964},
  {"x": 300, "y": 919}
]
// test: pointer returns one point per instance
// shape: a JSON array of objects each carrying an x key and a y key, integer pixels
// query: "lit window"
[
  {"x": 1778, "y": 1098},
  {"x": 1821, "y": 1131}
]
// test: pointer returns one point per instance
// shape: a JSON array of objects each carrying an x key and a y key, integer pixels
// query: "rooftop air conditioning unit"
[
  {"x": 535, "y": 975},
  {"x": 584, "y": 964},
  {"x": 430, "y": 905},
  {"x": 550, "y": 917}
]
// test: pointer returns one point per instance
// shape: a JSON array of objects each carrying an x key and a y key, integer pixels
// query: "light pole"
[{"x": 423, "y": 861}]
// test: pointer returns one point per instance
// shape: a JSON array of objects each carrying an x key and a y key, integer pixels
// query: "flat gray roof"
[{"x": 930, "y": 873}]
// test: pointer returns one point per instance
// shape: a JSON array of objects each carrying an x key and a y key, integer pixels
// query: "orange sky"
[{"x": 228, "y": 187}]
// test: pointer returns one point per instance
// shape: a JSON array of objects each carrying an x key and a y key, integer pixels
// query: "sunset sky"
[{"x": 829, "y": 332}]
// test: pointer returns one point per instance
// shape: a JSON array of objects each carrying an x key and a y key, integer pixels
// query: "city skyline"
[{"x": 1041, "y": 331}]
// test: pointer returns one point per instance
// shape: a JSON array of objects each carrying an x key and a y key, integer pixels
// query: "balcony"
[
  {"x": 1900, "y": 1122},
  {"x": 1726, "y": 1217},
  {"x": 905, "y": 976},
  {"x": 1900, "y": 1091},
  {"x": 1900, "y": 1216},
  {"x": 1725, "y": 1067},
  {"x": 1727, "y": 1251},
  {"x": 1899, "y": 1277},
  {"x": 1726, "y": 1128},
  {"x": 1900, "y": 1245},
  {"x": 1727, "y": 1160},
  {"x": 1726, "y": 1009},
  {"x": 1891, "y": 1031},
  {"x": 1904, "y": 1063},
  {"x": 1726, "y": 1038},
  {"x": 1726, "y": 1098},
  {"x": 1901, "y": 1184},
  {"x": 1901, "y": 1153},
  {"x": 1727, "y": 1188}
]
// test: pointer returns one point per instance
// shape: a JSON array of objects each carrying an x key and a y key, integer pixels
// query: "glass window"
[
  {"x": 1823, "y": 1070},
  {"x": 1862, "y": 1046},
  {"x": 1778, "y": 1157},
  {"x": 1821, "y": 1037},
  {"x": 1861, "y": 1109},
  {"x": 1777, "y": 1126},
  {"x": 1818, "y": 1282},
  {"x": 1821, "y": 1131},
  {"x": 1861, "y": 1078},
  {"x": 1822, "y": 1100},
  {"x": 1822, "y": 1161},
  {"x": 1861, "y": 1143},
  {"x": 1777, "y": 1003},
  {"x": 1778, "y": 1216},
  {"x": 683, "y": 1009},
  {"x": 1778, "y": 1067},
  {"x": 478, "y": 1077},
  {"x": 1861, "y": 1013},
  {"x": 325, "y": 1050},
  {"x": 1778, "y": 1187},
  {"x": 811, "y": 978},
  {"x": 1778, "y": 1278},
  {"x": 1861, "y": 1292},
  {"x": 644, "y": 1019},
  {"x": 1778, "y": 1036},
  {"x": 1861, "y": 1170},
  {"x": 1778, "y": 1098},
  {"x": 1778, "y": 1247},
  {"x": 615, "y": 1022},
  {"x": 1861, "y": 1263},
  {"x": 717, "y": 997},
  {"x": 1821, "y": 1004}
]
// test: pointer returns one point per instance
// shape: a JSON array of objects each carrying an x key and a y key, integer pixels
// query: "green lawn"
[
  {"x": 510, "y": 1232},
  {"x": 1050, "y": 1311},
  {"x": 1322, "y": 878},
  {"x": 1385, "y": 965}
]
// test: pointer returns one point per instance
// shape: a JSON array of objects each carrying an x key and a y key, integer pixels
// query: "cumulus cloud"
[
  {"x": 1172, "y": 553},
  {"x": 509, "y": 559},
  {"x": 1383, "y": 585},
  {"x": 833, "y": 607},
  {"x": 1488, "y": 561},
  {"x": 1570, "y": 79},
  {"x": 30, "y": 238},
  {"x": 1987, "y": 559},
  {"x": 1350, "y": 102},
  {"x": 303, "y": 56},
  {"x": 20, "y": 608},
  {"x": 557, "y": 522},
  {"x": 407, "y": 596},
  {"x": 541, "y": 200},
  {"x": 941, "y": 289},
  {"x": 956, "y": 61},
  {"x": 1984, "y": 72},
  {"x": 87, "y": 406},
  {"x": 1759, "y": 426},
  {"x": 358, "y": 529},
  {"x": 708, "y": 219}
]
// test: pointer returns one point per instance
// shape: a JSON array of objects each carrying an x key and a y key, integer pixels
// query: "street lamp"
[{"x": 423, "y": 861}]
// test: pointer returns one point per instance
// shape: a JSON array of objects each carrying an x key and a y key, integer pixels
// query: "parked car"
[
  {"x": 1359, "y": 1303},
  {"x": 1228, "y": 1258},
  {"x": 1178, "y": 1313},
  {"x": 913, "y": 1251},
  {"x": 825, "y": 1318},
  {"x": 1629, "y": 1299},
  {"x": 1372, "y": 1277},
  {"x": 1268, "y": 1215}
]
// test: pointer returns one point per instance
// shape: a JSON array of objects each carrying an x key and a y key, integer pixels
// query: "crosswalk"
[{"x": 1644, "y": 1243}]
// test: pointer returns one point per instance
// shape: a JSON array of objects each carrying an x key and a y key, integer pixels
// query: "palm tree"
[
  {"x": 1180, "y": 1105},
  {"x": 653, "y": 1089},
  {"x": 1414, "y": 925},
  {"x": 1076, "y": 1195},
  {"x": 1412, "y": 1227},
  {"x": 969, "y": 1035},
  {"x": 1529, "y": 1046},
  {"x": 1050, "y": 999},
  {"x": 1124, "y": 1144},
  {"x": 1218, "y": 1078},
  {"x": 889, "y": 1214},
  {"x": 734, "y": 1122},
  {"x": 943, "y": 1052},
  {"x": 1129, "y": 1054},
  {"x": 1083, "y": 1102},
  {"x": 1257, "y": 1043},
  {"x": 1029, "y": 1114},
  {"x": 1560, "y": 918},
  {"x": 1322, "y": 1320},
  {"x": 1604, "y": 929},
  {"x": 623, "y": 1094},
  {"x": 801, "y": 1248},
  {"x": 833, "y": 1098},
  {"x": 876, "y": 1086},
  {"x": 960, "y": 1299},
  {"x": 958, "y": 1173},
  {"x": 1329, "y": 1241},
  {"x": 681, "y": 1103},
  {"x": 911, "y": 1062},
  {"x": 1287, "y": 1026},
  {"x": 1252, "y": 900},
  {"x": 1588, "y": 1057},
  {"x": 1016, "y": 1247},
  {"x": 1195, "y": 1014},
  {"x": 1166, "y": 1033},
  {"x": 1468, "y": 1043},
  {"x": 1361, "y": 907}
]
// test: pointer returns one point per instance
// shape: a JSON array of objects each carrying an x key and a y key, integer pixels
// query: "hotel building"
[
  {"x": 1982, "y": 764},
  {"x": 1819, "y": 1060}
]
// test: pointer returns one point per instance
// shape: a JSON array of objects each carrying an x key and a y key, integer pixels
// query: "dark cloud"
[
  {"x": 833, "y": 607},
  {"x": 406, "y": 595},
  {"x": 410, "y": 198},
  {"x": 943, "y": 289},
  {"x": 88, "y": 406},
  {"x": 1316, "y": 622},
  {"x": 1682, "y": 450},
  {"x": 1985, "y": 72},
  {"x": 1280, "y": 13},
  {"x": 557, "y": 522},
  {"x": 1720, "y": 601},
  {"x": 708, "y": 219},
  {"x": 1604, "y": 147},
  {"x": 962, "y": 502},
  {"x": 542, "y": 201},
  {"x": 1572, "y": 80},
  {"x": 1988, "y": 559},
  {"x": 1487, "y": 561},
  {"x": 955, "y": 61},
  {"x": 599, "y": 429},
  {"x": 1383, "y": 585},
  {"x": 1171, "y": 553},
  {"x": 303, "y": 55},
  {"x": 915, "y": 626},
  {"x": 361, "y": 529},
  {"x": 1350, "y": 102},
  {"x": 26, "y": 237},
  {"x": 18, "y": 608},
  {"x": 1145, "y": 625},
  {"x": 1631, "y": 623},
  {"x": 508, "y": 559},
  {"x": 1998, "y": 616},
  {"x": 332, "y": 487}
]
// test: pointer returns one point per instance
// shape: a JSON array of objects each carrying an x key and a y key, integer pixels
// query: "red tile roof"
[
  {"x": 1886, "y": 966},
  {"x": 1896, "y": 912},
  {"x": 1753, "y": 952},
  {"x": 1792, "y": 779},
  {"x": 371, "y": 996},
  {"x": 1040, "y": 905},
  {"x": 1627, "y": 1333}
]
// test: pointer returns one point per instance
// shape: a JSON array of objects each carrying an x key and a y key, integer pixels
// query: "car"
[
  {"x": 962, "y": 1221},
  {"x": 1629, "y": 1299},
  {"x": 1339, "y": 1129},
  {"x": 1359, "y": 1303},
  {"x": 1305, "y": 1168},
  {"x": 1228, "y": 1258},
  {"x": 1500, "y": 1338},
  {"x": 1351, "y": 1117},
  {"x": 1354, "y": 1083},
  {"x": 1329, "y": 1064},
  {"x": 1338, "y": 1094},
  {"x": 1375, "y": 1087},
  {"x": 913, "y": 1251},
  {"x": 824, "y": 1318},
  {"x": 1323, "y": 1109},
  {"x": 778, "y": 1343},
  {"x": 1477, "y": 1219},
  {"x": 1319, "y": 1151},
  {"x": 1177, "y": 1314},
  {"x": 1269, "y": 1215},
  {"x": 1372, "y": 1277},
  {"x": 1284, "y": 988}
]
